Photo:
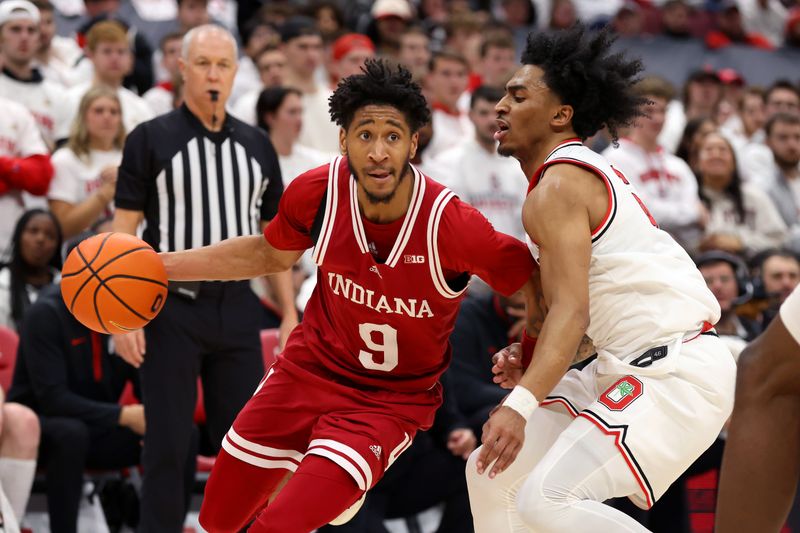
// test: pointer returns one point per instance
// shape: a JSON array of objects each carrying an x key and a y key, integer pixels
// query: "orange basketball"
[{"x": 114, "y": 283}]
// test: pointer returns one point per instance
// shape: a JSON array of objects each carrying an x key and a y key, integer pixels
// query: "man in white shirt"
[
  {"x": 301, "y": 42},
  {"x": 20, "y": 80},
  {"x": 495, "y": 185},
  {"x": 256, "y": 35},
  {"x": 447, "y": 80},
  {"x": 57, "y": 55},
  {"x": 665, "y": 183},
  {"x": 108, "y": 49},
  {"x": 161, "y": 97},
  {"x": 701, "y": 93},
  {"x": 783, "y": 140},
  {"x": 271, "y": 63}
]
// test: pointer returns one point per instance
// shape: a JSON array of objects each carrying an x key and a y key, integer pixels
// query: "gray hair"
[{"x": 202, "y": 30}]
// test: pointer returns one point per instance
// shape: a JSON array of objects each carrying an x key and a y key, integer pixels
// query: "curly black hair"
[
  {"x": 380, "y": 84},
  {"x": 597, "y": 84}
]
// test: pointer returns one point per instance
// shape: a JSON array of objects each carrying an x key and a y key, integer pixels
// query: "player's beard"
[{"x": 386, "y": 198}]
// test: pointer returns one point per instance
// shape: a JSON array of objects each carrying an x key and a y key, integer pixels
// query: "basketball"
[{"x": 114, "y": 283}]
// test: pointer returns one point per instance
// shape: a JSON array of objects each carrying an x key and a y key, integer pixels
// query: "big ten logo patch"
[
  {"x": 622, "y": 393},
  {"x": 414, "y": 259}
]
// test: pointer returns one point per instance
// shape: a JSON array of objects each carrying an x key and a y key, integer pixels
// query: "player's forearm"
[
  {"x": 559, "y": 340},
  {"x": 283, "y": 290},
  {"x": 232, "y": 259}
]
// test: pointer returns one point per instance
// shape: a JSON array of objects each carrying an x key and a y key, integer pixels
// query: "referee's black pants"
[{"x": 215, "y": 336}]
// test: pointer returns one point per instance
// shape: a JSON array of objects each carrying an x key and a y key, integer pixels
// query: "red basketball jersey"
[{"x": 386, "y": 324}]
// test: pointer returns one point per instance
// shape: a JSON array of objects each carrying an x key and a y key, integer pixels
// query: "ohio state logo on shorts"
[{"x": 622, "y": 393}]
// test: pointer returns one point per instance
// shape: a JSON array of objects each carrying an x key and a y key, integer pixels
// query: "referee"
[{"x": 196, "y": 176}]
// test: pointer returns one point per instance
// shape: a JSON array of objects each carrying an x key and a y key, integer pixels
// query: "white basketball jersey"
[{"x": 644, "y": 289}]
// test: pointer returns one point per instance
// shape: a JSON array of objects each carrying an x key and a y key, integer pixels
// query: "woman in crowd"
[
  {"x": 86, "y": 168},
  {"x": 694, "y": 132},
  {"x": 35, "y": 263},
  {"x": 742, "y": 218},
  {"x": 279, "y": 111}
]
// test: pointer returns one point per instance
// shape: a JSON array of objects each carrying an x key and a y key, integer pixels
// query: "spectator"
[
  {"x": 24, "y": 167},
  {"x": 464, "y": 33},
  {"x": 271, "y": 63},
  {"x": 730, "y": 29},
  {"x": 498, "y": 60},
  {"x": 629, "y": 20},
  {"x": 764, "y": 17},
  {"x": 694, "y": 132},
  {"x": 108, "y": 49},
  {"x": 782, "y": 97},
  {"x": 20, "y": 80},
  {"x": 280, "y": 114},
  {"x": 301, "y": 43},
  {"x": 209, "y": 329},
  {"x": 521, "y": 16},
  {"x": 35, "y": 263},
  {"x": 760, "y": 165},
  {"x": 139, "y": 75},
  {"x": 390, "y": 18},
  {"x": 783, "y": 140},
  {"x": 563, "y": 15},
  {"x": 257, "y": 34},
  {"x": 778, "y": 274},
  {"x": 349, "y": 52},
  {"x": 65, "y": 373},
  {"x": 701, "y": 92},
  {"x": 473, "y": 169},
  {"x": 747, "y": 127},
  {"x": 675, "y": 19},
  {"x": 191, "y": 14},
  {"x": 665, "y": 182},
  {"x": 19, "y": 444},
  {"x": 446, "y": 81},
  {"x": 56, "y": 54},
  {"x": 329, "y": 19},
  {"x": 733, "y": 85},
  {"x": 161, "y": 98},
  {"x": 727, "y": 277},
  {"x": 742, "y": 218},
  {"x": 415, "y": 52},
  {"x": 85, "y": 179}
]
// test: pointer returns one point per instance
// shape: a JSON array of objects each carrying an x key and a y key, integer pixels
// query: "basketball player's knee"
[
  {"x": 540, "y": 502},
  {"x": 475, "y": 483}
]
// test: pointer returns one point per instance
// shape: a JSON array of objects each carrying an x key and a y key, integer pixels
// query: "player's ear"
[
  {"x": 342, "y": 141},
  {"x": 412, "y": 151},
  {"x": 562, "y": 117}
]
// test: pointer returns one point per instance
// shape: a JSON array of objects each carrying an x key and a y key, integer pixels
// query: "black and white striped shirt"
[{"x": 198, "y": 187}]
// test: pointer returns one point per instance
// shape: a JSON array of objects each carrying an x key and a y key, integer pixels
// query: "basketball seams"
[
  {"x": 120, "y": 300},
  {"x": 96, "y": 272},
  {"x": 87, "y": 264},
  {"x": 137, "y": 278}
]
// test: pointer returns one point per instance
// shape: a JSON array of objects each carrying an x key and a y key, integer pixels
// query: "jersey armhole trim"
[
  {"x": 330, "y": 212},
  {"x": 611, "y": 210},
  {"x": 437, "y": 275}
]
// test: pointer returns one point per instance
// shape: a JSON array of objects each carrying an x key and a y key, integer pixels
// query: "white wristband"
[{"x": 522, "y": 401}]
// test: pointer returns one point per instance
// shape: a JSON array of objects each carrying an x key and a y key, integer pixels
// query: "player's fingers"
[
  {"x": 492, "y": 449},
  {"x": 505, "y": 459}
]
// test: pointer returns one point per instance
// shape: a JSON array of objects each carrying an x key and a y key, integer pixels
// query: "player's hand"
[
  {"x": 503, "y": 436},
  {"x": 132, "y": 417},
  {"x": 507, "y": 368},
  {"x": 461, "y": 442},
  {"x": 130, "y": 346}
]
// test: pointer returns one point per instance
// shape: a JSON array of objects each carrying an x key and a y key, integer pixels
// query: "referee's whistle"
[{"x": 214, "y": 95}]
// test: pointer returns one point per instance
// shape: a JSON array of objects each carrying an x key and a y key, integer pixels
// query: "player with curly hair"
[
  {"x": 631, "y": 421},
  {"x": 360, "y": 375}
]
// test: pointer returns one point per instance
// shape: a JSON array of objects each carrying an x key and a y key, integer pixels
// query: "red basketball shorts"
[{"x": 294, "y": 413}]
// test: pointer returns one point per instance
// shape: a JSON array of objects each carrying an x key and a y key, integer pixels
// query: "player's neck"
[
  {"x": 397, "y": 207},
  {"x": 539, "y": 152}
]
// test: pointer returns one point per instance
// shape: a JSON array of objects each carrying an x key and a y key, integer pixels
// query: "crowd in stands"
[{"x": 716, "y": 161}]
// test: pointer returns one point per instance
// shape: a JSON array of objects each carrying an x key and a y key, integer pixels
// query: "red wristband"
[{"x": 528, "y": 344}]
